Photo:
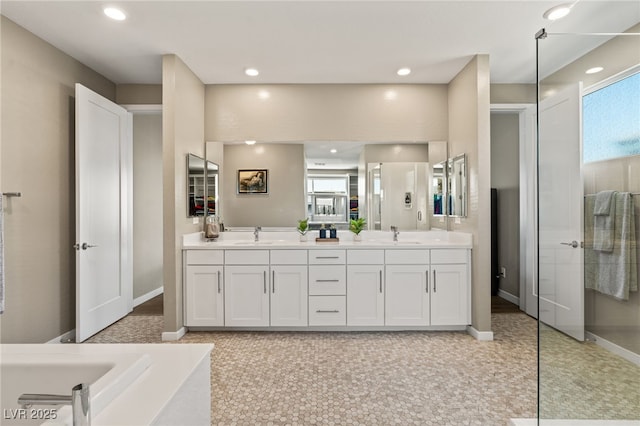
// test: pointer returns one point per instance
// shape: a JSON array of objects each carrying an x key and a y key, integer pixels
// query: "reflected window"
[{"x": 611, "y": 120}]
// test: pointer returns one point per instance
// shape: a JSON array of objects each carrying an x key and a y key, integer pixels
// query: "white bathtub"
[
  {"x": 24, "y": 371},
  {"x": 130, "y": 384}
]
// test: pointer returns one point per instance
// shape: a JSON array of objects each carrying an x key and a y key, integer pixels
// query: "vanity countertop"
[{"x": 291, "y": 240}]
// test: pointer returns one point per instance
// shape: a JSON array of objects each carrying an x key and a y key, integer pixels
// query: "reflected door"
[{"x": 561, "y": 207}]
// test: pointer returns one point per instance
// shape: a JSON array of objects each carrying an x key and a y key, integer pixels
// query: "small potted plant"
[
  {"x": 333, "y": 232},
  {"x": 323, "y": 231},
  {"x": 356, "y": 226},
  {"x": 302, "y": 228}
]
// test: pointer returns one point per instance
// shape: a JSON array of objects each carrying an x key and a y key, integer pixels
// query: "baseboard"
[
  {"x": 613, "y": 348},
  {"x": 145, "y": 297},
  {"x": 483, "y": 336},
  {"x": 509, "y": 297},
  {"x": 172, "y": 336},
  {"x": 68, "y": 337}
]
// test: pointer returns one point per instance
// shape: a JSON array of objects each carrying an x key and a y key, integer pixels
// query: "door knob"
[
  {"x": 573, "y": 244},
  {"x": 85, "y": 246}
]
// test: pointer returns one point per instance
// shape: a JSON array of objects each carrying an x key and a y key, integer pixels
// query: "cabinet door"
[
  {"x": 449, "y": 295},
  {"x": 204, "y": 296},
  {"x": 289, "y": 295},
  {"x": 407, "y": 295},
  {"x": 365, "y": 295},
  {"x": 246, "y": 296}
]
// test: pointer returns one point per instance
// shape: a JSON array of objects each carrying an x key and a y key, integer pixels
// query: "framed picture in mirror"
[{"x": 253, "y": 181}]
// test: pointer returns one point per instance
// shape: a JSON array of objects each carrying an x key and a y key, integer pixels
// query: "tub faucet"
[
  {"x": 79, "y": 401},
  {"x": 395, "y": 231},
  {"x": 256, "y": 233}
]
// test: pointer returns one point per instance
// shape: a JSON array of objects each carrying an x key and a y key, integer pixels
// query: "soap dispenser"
[{"x": 211, "y": 228}]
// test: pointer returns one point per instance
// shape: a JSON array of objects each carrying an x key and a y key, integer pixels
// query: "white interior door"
[
  {"x": 560, "y": 212},
  {"x": 528, "y": 214},
  {"x": 104, "y": 289}
]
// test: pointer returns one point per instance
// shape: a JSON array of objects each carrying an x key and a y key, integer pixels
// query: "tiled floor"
[{"x": 372, "y": 378}]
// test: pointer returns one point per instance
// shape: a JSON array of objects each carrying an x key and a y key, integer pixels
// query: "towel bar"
[{"x": 12, "y": 194}]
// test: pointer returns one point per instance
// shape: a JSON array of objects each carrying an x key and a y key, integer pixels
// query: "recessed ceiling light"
[
  {"x": 250, "y": 142},
  {"x": 557, "y": 12},
  {"x": 251, "y": 72},
  {"x": 593, "y": 70},
  {"x": 115, "y": 13},
  {"x": 333, "y": 151},
  {"x": 404, "y": 71}
]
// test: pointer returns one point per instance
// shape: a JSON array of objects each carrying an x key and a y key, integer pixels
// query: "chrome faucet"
[
  {"x": 256, "y": 233},
  {"x": 395, "y": 233},
  {"x": 79, "y": 401}
]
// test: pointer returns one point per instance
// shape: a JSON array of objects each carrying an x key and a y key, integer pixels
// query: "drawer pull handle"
[
  {"x": 320, "y": 311},
  {"x": 327, "y": 257},
  {"x": 434, "y": 281},
  {"x": 273, "y": 281},
  {"x": 426, "y": 273},
  {"x": 327, "y": 281},
  {"x": 264, "y": 281},
  {"x": 380, "y": 280},
  {"x": 219, "y": 282}
]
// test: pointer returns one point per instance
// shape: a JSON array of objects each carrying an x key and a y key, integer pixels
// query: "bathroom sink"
[
  {"x": 406, "y": 243},
  {"x": 252, "y": 243}
]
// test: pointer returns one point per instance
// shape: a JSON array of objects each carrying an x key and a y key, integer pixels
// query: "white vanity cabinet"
[
  {"x": 327, "y": 288},
  {"x": 246, "y": 285},
  {"x": 204, "y": 288},
  {"x": 365, "y": 287},
  {"x": 407, "y": 299},
  {"x": 289, "y": 288},
  {"x": 450, "y": 301}
]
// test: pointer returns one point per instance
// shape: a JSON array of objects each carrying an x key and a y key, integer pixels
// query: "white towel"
[
  {"x": 1, "y": 257},
  {"x": 604, "y": 211},
  {"x": 615, "y": 273}
]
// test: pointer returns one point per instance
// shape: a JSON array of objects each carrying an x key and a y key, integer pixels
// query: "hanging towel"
[
  {"x": 604, "y": 211},
  {"x": 1, "y": 257},
  {"x": 613, "y": 273}
]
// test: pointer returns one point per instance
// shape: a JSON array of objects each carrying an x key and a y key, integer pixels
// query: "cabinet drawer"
[
  {"x": 326, "y": 257},
  {"x": 246, "y": 257},
  {"x": 205, "y": 257},
  {"x": 365, "y": 257},
  {"x": 327, "y": 280},
  {"x": 327, "y": 310},
  {"x": 406, "y": 257},
  {"x": 441, "y": 256},
  {"x": 288, "y": 257}
]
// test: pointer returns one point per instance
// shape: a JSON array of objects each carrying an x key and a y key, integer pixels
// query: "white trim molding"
[
  {"x": 146, "y": 297},
  {"x": 68, "y": 337},
  {"x": 509, "y": 297},
  {"x": 173, "y": 336},
  {"x": 483, "y": 336},
  {"x": 613, "y": 348}
]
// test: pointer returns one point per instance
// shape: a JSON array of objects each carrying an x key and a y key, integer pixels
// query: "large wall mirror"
[
  {"x": 331, "y": 182},
  {"x": 202, "y": 186}
]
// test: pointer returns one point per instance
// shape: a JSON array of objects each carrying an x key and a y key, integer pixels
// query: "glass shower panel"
[{"x": 597, "y": 377}]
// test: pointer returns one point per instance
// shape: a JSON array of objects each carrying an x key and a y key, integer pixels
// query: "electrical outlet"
[
  {"x": 503, "y": 272},
  {"x": 196, "y": 220}
]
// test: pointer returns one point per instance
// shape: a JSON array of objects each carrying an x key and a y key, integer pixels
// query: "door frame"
[{"x": 528, "y": 203}]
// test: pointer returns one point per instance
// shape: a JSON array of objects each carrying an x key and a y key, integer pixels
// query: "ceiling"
[{"x": 316, "y": 41}]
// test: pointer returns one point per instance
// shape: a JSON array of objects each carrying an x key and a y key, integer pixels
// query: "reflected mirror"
[
  {"x": 457, "y": 186},
  {"x": 438, "y": 189},
  {"x": 201, "y": 186}
]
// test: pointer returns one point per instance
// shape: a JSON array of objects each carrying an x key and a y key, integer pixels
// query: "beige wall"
[
  {"x": 146, "y": 94},
  {"x": 355, "y": 112},
  {"x": 505, "y": 177},
  {"x": 147, "y": 203},
  {"x": 182, "y": 133},
  {"x": 469, "y": 133},
  {"x": 285, "y": 202},
  {"x": 513, "y": 93},
  {"x": 38, "y": 160}
]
